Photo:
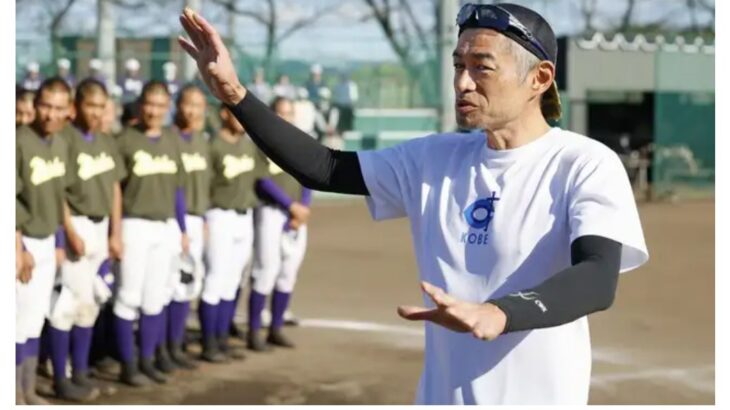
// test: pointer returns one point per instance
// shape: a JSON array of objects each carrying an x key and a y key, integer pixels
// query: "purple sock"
[
  {"x": 149, "y": 334},
  {"x": 32, "y": 346},
  {"x": 176, "y": 320},
  {"x": 279, "y": 303},
  {"x": 124, "y": 330},
  {"x": 80, "y": 347},
  {"x": 162, "y": 329},
  {"x": 59, "y": 351},
  {"x": 225, "y": 314},
  {"x": 208, "y": 316},
  {"x": 256, "y": 302},
  {"x": 19, "y": 353}
]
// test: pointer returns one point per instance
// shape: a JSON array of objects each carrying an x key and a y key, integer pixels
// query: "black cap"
[{"x": 543, "y": 33}]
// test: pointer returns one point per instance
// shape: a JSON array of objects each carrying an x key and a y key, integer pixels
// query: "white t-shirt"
[{"x": 487, "y": 223}]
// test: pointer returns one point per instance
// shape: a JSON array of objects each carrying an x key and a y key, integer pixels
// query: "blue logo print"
[{"x": 479, "y": 215}]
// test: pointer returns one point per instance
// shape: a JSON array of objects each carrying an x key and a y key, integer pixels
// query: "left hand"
[
  {"x": 185, "y": 243},
  {"x": 483, "y": 320},
  {"x": 295, "y": 224}
]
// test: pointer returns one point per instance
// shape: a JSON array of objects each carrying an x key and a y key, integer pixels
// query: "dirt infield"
[{"x": 655, "y": 346}]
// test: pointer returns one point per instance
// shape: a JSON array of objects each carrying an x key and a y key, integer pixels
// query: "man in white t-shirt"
[{"x": 519, "y": 231}]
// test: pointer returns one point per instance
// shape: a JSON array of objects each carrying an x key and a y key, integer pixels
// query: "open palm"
[
  {"x": 213, "y": 59},
  {"x": 483, "y": 320}
]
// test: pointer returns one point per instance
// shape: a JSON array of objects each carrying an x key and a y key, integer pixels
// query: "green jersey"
[
  {"x": 153, "y": 171},
  {"x": 42, "y": 179},
  {"x": 96, "y": 166},
  {"x": 22, "y": 216},
  {"x": 195, "y": 159},
  {"x": 235, "y": 167},
  {"x": 286, "y": 182}
]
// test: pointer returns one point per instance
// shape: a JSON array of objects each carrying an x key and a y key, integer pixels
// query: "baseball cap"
[
  {"x": 528, "y": 29},
  {"x": 64, "y": 63},
  {"x": 95, "y": 64},
  {"x": 132, "y": 64}
]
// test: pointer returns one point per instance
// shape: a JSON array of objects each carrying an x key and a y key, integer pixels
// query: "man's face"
[
  {"x": 154, "y": 108},
  {"x": 90, "y": 112},
  {"x": 489, "y": 90},
  {"x": 191, "y": 109},
  {"x": 24, "y": 112},
  {"x": 285, "y": 110},
  {"x": 51, "y": 111}
]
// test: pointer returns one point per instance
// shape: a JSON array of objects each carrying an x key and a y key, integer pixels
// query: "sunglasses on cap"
[{"x": 497, "y": 18}]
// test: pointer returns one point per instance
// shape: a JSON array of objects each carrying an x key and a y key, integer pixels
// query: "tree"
[
  {"x": 54, "y": 11},
  {"x": 411, "y": 40},
  {"x": 588, "y": 11},
  {"x": 269, "y": 16}
]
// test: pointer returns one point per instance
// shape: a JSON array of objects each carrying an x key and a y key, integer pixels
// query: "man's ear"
[{"x": 544, "y": 77}]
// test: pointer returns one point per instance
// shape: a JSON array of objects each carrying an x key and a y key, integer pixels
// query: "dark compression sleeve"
[
  {"x": 312, "y": 164},
  {"x": 588, "y": 286}
]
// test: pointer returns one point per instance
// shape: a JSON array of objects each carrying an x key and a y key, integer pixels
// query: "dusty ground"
[{"x": 655, "y": 346}]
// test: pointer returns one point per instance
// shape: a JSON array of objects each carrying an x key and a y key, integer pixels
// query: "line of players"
[{"x": 179, "y": 212}]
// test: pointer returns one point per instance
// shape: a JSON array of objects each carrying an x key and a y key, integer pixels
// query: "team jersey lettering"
[
  {"x": 44, "y": 171},
  {"x": 146, "y": 164},
  {"x": 90, "y": 166},
  {"x": 194, "y": 162},
  {"x": 234, "y": 166},
  {"x": 274, "y": 169}
]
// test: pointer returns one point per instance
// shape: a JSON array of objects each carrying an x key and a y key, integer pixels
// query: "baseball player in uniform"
[
  {"x": 230, "y": 224},
  {"x": 189, "y": 121},
  {"x": 281, "y": 240},
  {"x": 41, "y": 159},
  {"x": 24, "y": 111},
  {"x": 519, "y": 231},
  {"x": 92, "y": 199},
  {"x": 153, "y": 198}
]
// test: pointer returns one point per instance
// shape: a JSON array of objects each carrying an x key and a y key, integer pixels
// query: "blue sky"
[{"x": 336, "y": 38}]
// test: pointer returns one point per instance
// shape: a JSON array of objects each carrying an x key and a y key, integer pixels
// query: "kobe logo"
[{"x": 479, "y": 215}]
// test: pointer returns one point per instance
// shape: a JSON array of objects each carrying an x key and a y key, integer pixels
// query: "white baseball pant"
[
  {"x": 145, "y": 273},
  {"x": 229, "y": 247},
  {"x": 76, "y": 304},
  {"x": 279, "y": 253},
  {"x": 33, "y": 299}
]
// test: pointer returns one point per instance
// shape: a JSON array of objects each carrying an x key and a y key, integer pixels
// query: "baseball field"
[{"x": 654, "y": 346}]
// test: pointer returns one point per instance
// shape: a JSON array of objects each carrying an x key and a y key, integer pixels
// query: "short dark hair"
[
  {"x": 88, "y": 87},
  {"x": 153, "y": 86},
  {"x": 190, "y": 87},
  {"x": 130, "y": 112},
  {"x": 278, "y": 100},
  {"x": 53, "y": 84},
  {"x": 23, "y": 94}
]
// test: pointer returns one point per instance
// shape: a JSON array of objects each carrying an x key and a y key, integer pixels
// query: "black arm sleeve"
[
  {"x": 588, "y": 286},
  {"x": 312, "y": 164}
]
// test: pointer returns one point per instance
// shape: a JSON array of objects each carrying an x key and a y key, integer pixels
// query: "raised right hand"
[{"x": 214, "y": 62}]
